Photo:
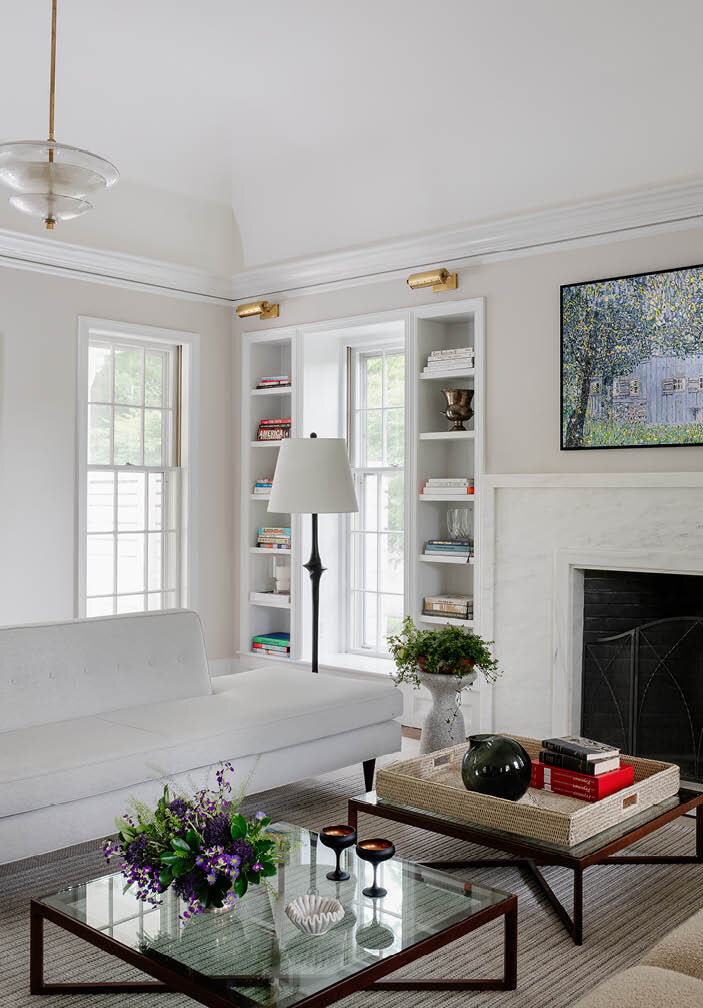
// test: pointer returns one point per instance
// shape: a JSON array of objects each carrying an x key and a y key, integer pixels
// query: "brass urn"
[{"x": 458, "y": 407}]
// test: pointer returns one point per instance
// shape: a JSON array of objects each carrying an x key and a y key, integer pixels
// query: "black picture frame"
[{"x": 563, "y": 424}]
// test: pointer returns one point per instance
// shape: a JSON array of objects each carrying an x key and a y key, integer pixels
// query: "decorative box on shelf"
[{"x": 433, "y": 783}]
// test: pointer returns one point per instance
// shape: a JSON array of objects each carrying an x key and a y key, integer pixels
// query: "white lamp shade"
[{"x": 313, "y": 477}]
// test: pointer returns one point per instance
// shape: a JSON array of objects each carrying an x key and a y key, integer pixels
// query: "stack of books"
[
  {"x": 450, "y": 547},
  {"x": 273, "y": 538},
  {"x": 273, "y": 381},
  {"x": 447, "y": 488},
  {"x": 456, "y": 606},
  {"x": 461, "y": 359},
  {"x": 273, "y": 429},
  {"x": 272, "y": 644},
  {"x": 262, "y": 487},
  {"x": 580, "y": 768}
]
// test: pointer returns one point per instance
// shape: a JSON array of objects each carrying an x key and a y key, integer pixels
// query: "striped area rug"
[{"x": 626, "y": 910}]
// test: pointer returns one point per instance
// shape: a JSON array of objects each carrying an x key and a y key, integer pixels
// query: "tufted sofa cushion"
[{"x": 56, "y": 671}]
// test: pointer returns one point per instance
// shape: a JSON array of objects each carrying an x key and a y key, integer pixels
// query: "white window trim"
[
  {"x": 365, "y": 344},
  {"x": 190, "y": 439}
]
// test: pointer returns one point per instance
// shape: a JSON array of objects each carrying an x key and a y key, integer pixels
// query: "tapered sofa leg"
[{"x": 369, "y": 770}]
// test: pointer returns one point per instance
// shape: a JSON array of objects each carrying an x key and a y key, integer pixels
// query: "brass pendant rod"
[{"x": 52, "y": 85}]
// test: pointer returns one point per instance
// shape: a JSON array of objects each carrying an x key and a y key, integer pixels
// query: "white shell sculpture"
[{"x": 314, "y": 915}]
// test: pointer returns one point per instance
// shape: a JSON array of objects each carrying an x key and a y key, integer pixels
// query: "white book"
[
  {"x": 454, "y": 352},
  {"x": 456, "y": 491},
  {"x": 449, "y": 481}
]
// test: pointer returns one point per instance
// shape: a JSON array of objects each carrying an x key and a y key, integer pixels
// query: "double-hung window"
[
  {"x": 377, "y": 539},
  {"x": 130, "y": 513}
]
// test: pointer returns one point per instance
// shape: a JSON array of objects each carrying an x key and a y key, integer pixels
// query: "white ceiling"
[{"x": 328, "y": 124}]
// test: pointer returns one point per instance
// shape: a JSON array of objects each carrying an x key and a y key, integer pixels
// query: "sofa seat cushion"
[
  {"x": 681, "y": 949},
  {"x": 645, "y": 987},
  {"x": 252, "y": 712}
]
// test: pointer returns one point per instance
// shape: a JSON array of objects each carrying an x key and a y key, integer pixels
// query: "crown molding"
[
  {"x": 649, "y": 211},
  {"x": 47, "y": 255},
  {"x": 592, "y": 222}
]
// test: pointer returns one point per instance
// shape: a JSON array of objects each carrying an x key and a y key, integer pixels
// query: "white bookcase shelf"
[
  {"x": 442, "y": 453},
  {"x": 264, "y": 353},
  {"x": 448, "y": 375}
]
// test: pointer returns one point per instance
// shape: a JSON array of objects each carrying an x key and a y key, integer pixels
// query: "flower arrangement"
[
  {"x": 453, "y": 651},
  {"x": 202, "y": 846}
]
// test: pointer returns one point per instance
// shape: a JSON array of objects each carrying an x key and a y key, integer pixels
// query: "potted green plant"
[{"x": 446, "y": 661}]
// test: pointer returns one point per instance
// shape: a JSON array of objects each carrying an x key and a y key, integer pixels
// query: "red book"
[{"x": 578, "y": 785}]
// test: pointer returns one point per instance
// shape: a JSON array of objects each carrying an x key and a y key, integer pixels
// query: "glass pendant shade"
[{"x": 51, "y": 179}]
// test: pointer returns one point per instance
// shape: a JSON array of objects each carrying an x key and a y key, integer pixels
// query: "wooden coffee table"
[
  {"x": 533, "y": 854},
  {"x": 252, "y": 956}
]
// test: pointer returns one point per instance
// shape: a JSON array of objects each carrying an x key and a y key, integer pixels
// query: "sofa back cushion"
[{"x": 54, "y": 671}]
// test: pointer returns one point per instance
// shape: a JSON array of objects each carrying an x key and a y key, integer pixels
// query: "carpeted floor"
[{"x": 627, "y": 909}]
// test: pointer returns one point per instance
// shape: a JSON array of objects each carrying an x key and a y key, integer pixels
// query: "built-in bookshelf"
[
  {"x": 440, "y": 453},
  {"x": 432, "y": 451},
  {"x": 264, "y": 354}
]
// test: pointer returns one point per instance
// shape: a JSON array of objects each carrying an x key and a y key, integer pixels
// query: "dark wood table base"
[
  {"x": 205, "y": 989},
  {"x": 531, "y": 857}
]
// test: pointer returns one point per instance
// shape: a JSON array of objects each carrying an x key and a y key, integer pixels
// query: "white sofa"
[{"x": 93, "y": 711}]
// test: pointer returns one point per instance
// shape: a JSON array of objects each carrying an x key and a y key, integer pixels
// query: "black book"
[
  {"x": 555, "y": 759},
  {"x": 582, "y": 748}
]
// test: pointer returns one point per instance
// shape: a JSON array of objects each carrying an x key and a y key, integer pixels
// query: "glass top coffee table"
[{"x": 252, "y": 956}]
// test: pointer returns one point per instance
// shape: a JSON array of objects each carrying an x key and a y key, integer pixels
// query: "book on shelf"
[
  {"x": 462, "y": 544},
  {"x": 583, "y": 748},
  {"x": 272, "y": 433},
  {"x": 581, "y": 785},
  {"x": 449, "y": 481},
  {"x": 461, "y": 606},
  {"x": 451, "y": 352},
  {"x": 450, "y": 493},
  {"x": 277, "y": 638},
  {"x": 464, "y": 551},
  {"x": 273, "y": 546},
  {"x": 575, "y": 763},
  {"x": 269, "y": 381}
]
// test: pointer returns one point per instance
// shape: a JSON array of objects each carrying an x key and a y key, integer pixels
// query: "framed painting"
[{"x": 632, "y": 361}]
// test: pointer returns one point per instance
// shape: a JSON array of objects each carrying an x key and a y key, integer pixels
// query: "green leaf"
[
  {"x": 269, "y": 870},
  {"x": 182, "y": 868},
  {"x": 172, "y": 859},
  {"x": 265, "y": 822},
  {"x": 165, "y": 878},
  {"x": 179, "y": 844},
  {"x": 240, "y": 885},
  {"x": 239, "y": 827},
  {"x": 193, "y": 839}
]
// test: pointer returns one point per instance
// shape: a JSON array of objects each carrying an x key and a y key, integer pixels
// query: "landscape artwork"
[{"x": 632, "y": 361}]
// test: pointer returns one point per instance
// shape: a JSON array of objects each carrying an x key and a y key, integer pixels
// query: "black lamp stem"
[{"x": 315, "y": 569}]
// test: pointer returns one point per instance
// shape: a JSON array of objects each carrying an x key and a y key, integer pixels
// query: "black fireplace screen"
[{"x": 643, "y": 691}]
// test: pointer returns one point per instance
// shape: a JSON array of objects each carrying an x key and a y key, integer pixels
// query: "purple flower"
[
  {"x": 217, "y": 831},
  {"x": 260, "y": 815},
  {"x": 257, "y": 867},
  {"x": 179, "y": 807},
  {"x": 212, "y": 877},
  {"x": 243, "y": 850},
  {"x": 136, "y": 850}
]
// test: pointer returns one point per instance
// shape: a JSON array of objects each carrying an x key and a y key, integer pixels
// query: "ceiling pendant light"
[{"x": 52, "y": 180}]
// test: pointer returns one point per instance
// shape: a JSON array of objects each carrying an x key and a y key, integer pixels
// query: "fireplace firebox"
[{"x": 643, "y": 665}]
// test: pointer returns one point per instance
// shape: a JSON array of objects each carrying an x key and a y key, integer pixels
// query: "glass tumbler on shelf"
[{"x": 459, "y": 523}]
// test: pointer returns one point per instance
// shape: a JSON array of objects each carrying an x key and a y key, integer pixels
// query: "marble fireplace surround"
[{"x": 539, "y": 533}]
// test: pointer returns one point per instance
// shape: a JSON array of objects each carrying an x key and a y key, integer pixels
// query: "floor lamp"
[{"x": 313, "y": 477}]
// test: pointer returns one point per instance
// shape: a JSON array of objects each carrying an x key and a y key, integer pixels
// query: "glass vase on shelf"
[{"x": 459, "y": 523}]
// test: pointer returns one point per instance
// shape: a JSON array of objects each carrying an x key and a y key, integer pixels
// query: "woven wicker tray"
[{"x": 433, "y": 783}]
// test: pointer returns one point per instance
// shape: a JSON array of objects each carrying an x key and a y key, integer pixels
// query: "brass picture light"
[
  {"x": 438, "y": 280},
  {"x": 261, "y": 308}
]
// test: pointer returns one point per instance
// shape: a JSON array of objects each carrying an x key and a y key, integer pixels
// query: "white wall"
[{"x": 38, "y": 327}]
